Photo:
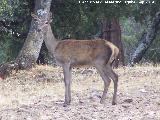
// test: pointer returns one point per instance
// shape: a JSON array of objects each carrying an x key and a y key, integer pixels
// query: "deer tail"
[{"x": 114, "y": 54}]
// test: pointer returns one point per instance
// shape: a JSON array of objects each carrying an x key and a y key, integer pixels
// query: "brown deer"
[{"x": 71, "y": 53}]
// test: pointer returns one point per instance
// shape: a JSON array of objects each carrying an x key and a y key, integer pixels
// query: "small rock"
[
  {"x": 81, "y": 102},
  {"x": 158, "y": 103},
  {"x": 125, "y": 106},
  {"x": 143, "y": 91},
  {"x": 95, "y": 94},
  {"x": 128, "y": 100},
  {"x": 87, "y": 72}
]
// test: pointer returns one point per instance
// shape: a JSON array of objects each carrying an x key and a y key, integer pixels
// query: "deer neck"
[{"x": 50, "y": 41}]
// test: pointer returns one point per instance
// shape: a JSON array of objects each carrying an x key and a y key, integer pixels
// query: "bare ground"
[{"x": 38, "y": 94}]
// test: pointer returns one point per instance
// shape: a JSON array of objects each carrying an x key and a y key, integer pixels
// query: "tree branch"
[{"x": 146, "y": 39}]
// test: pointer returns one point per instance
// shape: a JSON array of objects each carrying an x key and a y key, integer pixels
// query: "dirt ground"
[{"x": 38, "y": 94}]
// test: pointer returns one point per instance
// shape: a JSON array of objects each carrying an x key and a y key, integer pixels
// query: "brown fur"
[
  {"x": 97, "y": 53},
  {"x": 84, "y": 52},
  {"x": 115, "y": 51}
]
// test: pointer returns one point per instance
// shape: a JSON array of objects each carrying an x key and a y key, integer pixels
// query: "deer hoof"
[
  {"x": 65, "y": 104},
  {"x": 114, "y": 103}
]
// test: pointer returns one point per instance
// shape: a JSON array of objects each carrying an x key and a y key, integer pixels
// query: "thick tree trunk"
[
  {"x": 146, "y": 39},
  {"x": 31, "y": 48},
  {"x": 42, "y": 54},
  {"x": 111, "y": 31}
]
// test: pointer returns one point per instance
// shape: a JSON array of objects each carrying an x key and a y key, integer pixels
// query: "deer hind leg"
[
  {"x": 106, "y": 80},
  {"x": 67, "y": 81},
  {"x": 114, "y": 77}
]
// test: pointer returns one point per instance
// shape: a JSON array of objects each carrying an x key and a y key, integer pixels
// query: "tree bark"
[
  {"x": 111, "y": 31},
  {"x": 41, "y": 60},
  {"x": 146, "y": 39},
  {"x": 31, "y": 48}
]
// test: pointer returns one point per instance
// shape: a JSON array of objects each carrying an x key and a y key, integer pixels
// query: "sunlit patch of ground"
[{"x": 38, "y": 94}]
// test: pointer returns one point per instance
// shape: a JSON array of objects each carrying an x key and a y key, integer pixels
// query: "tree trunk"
[
  {"x": 41, "y": 60},
  {"x": 31, "y": 48},
  {"x": 111, "y": 31},
  {"x": 146, "y": 39}
]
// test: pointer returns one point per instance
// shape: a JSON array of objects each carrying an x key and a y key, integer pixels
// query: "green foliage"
[
  {"x": 131, "y": 31},
  {"x": 12, "y": 10},
  {"x": 144, "y": 12},
  {"x": 83, "y": 20},
  {"x": 153, "y": 54},
  {"x": 14, "y": 20},
  {"x": 5, "y": 45}
]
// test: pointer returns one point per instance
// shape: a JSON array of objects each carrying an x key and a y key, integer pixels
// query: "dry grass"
[{"x": 38, "y": 94}]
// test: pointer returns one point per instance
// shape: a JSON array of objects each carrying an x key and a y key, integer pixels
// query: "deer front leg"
[{"x": 67, "y": 81}]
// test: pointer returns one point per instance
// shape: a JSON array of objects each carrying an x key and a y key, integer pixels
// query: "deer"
[{"x": 71, "y": 53}]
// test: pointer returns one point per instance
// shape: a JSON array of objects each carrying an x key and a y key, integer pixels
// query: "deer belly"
[{"x": 80, "y": 61}]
